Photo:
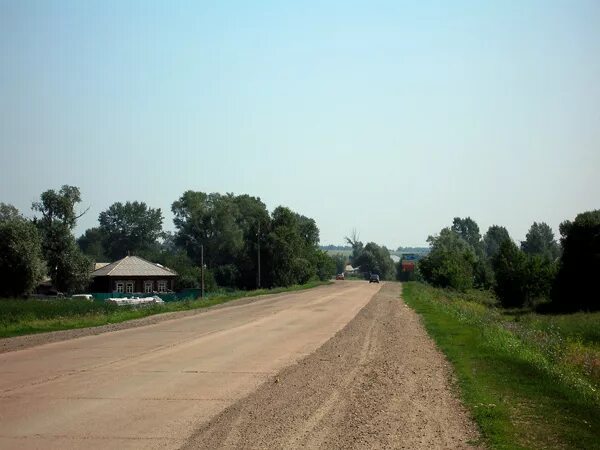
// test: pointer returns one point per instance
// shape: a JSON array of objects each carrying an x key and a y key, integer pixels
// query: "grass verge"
[
  {"x": 512, "y": 377},
  {"x": 21, "y": 317}
]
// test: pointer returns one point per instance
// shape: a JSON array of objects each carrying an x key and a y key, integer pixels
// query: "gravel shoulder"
[{"x": 380, "y": 382}]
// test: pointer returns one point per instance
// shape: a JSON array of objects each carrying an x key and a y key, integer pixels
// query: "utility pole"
[
  {"x": 258, "y": 235},
  {"x": 202, "y": 270}
]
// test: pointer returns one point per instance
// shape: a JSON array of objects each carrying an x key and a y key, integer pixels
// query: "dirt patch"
[{"x": 378, "y": 383}]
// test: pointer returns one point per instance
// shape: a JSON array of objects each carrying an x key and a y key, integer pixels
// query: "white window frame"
[
  {"x": 119, "y": 287},
  {"x": 129, "y": 287},
  {"x": 162, "y": 285},
  {"x": 148, "y": 286}
]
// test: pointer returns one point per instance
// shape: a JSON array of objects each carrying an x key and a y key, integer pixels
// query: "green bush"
[{"x": 450, "y": 263}]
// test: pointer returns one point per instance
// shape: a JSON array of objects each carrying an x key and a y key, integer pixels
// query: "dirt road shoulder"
[{"x": 378, "y": 383}]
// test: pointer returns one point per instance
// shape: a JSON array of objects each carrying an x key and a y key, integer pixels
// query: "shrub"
[{"x": 450, "y": 263}]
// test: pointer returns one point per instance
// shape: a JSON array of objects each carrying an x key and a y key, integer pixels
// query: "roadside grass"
[
  {"x": 583, "y": 327},
  {"x": 20, "y": 317},
  {"x": 516, "y": 377}
]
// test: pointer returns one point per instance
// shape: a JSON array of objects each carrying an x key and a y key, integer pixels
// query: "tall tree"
[
  {"x": 576, "y": 286},
  {"x": 58, "y": 208},
  {"x": 521, "y": 279},
  {"x": 510, "y": 270},
  {"x": 130, "y": 227},
  {"x": 254, "y": 221},
  {"x": 291, "y": 246},
  {"x": 8, "y": 212},
  {"x": 21, "y": 263},
  {"x": 493, "y": 239},
  {"x": 68, "y": 268},
  {"x": 208, "y": 221},
  {"x": 540, "y": 241},
  {"x": 92, "y": 243},
  {"x": 467, "y": 229},
  {"x": 231, "y": 229}
]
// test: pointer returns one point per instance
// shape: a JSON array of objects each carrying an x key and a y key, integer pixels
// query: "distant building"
[
  {"x": 408, "y": 266},
  {"x": 133, "y": 274},
  {"x": 409, "y": 261},
  {"x": 350, "y": 269}
]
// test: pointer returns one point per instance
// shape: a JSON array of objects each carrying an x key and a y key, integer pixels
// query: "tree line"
[
  {"x": 231, "y": 232},
  {"x": 370, "y": 258},
  {"x": 539, "y": 271}
]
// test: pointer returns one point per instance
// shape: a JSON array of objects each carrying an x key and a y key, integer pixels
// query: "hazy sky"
[{"x": 388, "y": 117}]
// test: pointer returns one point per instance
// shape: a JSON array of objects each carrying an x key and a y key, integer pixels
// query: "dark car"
[{"x": 374, "y": 278}]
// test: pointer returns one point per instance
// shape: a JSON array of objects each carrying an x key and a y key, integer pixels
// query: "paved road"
[{"x": 151, "y": 387}]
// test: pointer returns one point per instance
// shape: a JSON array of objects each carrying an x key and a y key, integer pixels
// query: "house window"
[
  {"x": 120, "y": 287},
  {"x": 148, "y": 286},
  {"x": 162, "y": 286},
  {"x": 129, "y": 287}
]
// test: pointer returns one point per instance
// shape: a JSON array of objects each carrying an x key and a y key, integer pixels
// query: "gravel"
[{"x": 378, "y": 383}]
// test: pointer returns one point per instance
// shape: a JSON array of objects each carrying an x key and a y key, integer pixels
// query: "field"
[
  {"x": 530, "y": 381},
  {"x": 345, "y": 253},
  {"x": 19, "y": 317}
]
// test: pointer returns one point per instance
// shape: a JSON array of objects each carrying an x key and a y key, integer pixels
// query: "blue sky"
[{"x": 387, "y": 117}]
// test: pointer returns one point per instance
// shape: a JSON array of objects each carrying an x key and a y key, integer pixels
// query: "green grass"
[
  {"x": 20, "y": 317},
  {"x": 583, "y": 327},
  {"x": 514, "y": 376}
]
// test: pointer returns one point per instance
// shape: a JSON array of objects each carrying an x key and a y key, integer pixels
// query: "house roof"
[
  {"x": 133, "y": 266},
  {"x": 100, "y": 265}
]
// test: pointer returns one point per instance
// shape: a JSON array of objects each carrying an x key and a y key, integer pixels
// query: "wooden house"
[{"x": 133, "y": 274}]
